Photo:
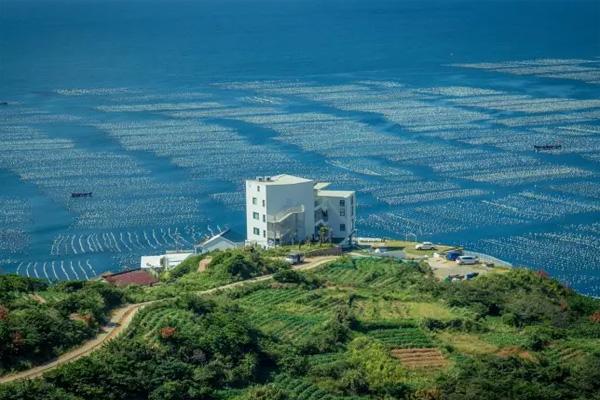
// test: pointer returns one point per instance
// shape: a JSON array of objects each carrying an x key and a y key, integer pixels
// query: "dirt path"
[
  {"x": 122, "y": 317},
  {"x": 119, "y": 320}
]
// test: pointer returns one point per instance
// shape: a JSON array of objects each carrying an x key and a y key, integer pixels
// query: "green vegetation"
[
  {"x": 282, "y": 251},
  {"x": 409, "y": 248},
  {"x": 224, "y": 267},
  {"x": 364, "y": 328},
  {"x": 38, "y": 321}
]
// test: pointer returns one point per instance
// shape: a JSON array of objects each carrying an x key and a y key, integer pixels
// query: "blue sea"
[{"x": 430, "y": 109}]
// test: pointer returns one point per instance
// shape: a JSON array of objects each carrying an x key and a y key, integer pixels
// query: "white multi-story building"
[{"x": 287, "y": 209}]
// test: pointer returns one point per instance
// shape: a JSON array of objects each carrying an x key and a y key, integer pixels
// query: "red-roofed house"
[{"x": 131, "y": 277}]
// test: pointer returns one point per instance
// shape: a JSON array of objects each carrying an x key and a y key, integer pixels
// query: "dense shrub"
[
  {"x": 291, "y": 276},
  {"x": 268, "y": 392},
  {"x": 190, "y": 359},
  {"x": 333, "y": 333},
  {"x": 491, "y": 377},
  {"x": 34, "y": 329},
  {"x": 243, "y": 264}
]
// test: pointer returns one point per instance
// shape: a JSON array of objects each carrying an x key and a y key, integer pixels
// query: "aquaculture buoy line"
[
  {"x": 68, "y": 252},
  {"x": 438, "y": 161},
  {"x": 124, "y": 241}
]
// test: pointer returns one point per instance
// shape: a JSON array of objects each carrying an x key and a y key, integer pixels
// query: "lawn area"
[
  {"x": 466, "y": 343},
  {"x": 409, "y": 247}
]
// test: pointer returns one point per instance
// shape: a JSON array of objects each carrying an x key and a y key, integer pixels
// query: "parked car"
[
  {"x": 425, "y": 246},
  {"x": 295, "y": 258},
  {"x": 452, "y": 255},
  {"x": 467, "y": 260}
]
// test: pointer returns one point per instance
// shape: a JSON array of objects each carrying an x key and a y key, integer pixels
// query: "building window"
[
  {"x": 264, "y": 217},
  {"x": 256, "y": 231},
  {"x": 254, "y": 201},
  {"x": 263, "y": 203},
  {"x": 255, "y": 215},
  {"x": 342, "y": 203},
  {"x": 258, "y": 188},
  {"x": 342, "y": 212},
  {"x": 342, "y": 227},
  {"x": 264, "y": 233}
]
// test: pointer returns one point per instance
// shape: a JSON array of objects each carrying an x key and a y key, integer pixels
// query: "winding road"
[{"x": 122, "y": 317}]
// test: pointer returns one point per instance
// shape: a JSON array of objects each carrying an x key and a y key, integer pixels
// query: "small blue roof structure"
[
  {"x": 233, "y": 236},
  {"x": 226, "y": 239}
]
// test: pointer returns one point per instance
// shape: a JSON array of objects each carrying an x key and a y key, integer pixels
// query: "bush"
[
  {"x": 268, "y": 392},
  {"x": 291, "y": 276},
  {"x": 33, "y": 330},
  {"x": 333, "y": 333},
  {"x": 288, "y": 276},
  {"x": 382, "y": 374},
  {"x": 242, "y": 264},
  {"x": 491, "y": 377}
]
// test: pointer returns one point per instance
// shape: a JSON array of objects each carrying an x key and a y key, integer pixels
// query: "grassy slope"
[
  {"x": 396, "y": 309},
  {"x": 390, "y": 307}
]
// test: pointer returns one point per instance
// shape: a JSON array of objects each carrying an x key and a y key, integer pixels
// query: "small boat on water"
[
  {"x": 544, "y": 147},
  {"x": 81, "y": 194}
]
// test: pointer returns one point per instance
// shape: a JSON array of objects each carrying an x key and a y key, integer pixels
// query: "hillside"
[
  {"x": 39, "y": 321},
  {"x": 357, "y": 328}
]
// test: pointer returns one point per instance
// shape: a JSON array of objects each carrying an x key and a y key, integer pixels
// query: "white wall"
[
  {"x": 279, "y": 197},
  {"x": 251, "y": 223},
  {"x": 284, "y": 197},
  {"x": 334, "y": 220}
]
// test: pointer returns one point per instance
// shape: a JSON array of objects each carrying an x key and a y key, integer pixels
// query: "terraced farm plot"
[
  {"x": 288, "y": 313},
  {"x": 418, "y": 358},
  {"x": 362, "y": 273},
  {"x": 150, "y": 320},
  {"x": 467, "y": 343},
  {"x": 392, "y": 310},
  {"x": 405, "y": 337},
  {"x": 300, "y": 389}
]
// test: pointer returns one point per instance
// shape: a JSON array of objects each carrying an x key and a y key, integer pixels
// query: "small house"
[
  {"x": 224, "y": 240},
  {"x": 165, "y": 261}
]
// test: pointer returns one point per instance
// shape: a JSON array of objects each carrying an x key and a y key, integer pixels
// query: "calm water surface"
[{"x": 430, "y": 109}]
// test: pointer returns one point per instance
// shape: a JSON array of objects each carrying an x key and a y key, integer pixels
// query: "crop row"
[
  {"x": 299, "y": 389},
  {"x": 405, "y": 337}
]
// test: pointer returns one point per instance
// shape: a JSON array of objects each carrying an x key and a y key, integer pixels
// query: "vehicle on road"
[
  {"x": 425, "y": 246},
  {"x": 467, "y": 260},
  {"x": 295, "y": 258}
]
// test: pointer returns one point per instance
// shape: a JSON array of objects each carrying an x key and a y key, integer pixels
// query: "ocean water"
[{"x": 429, "y": 109}]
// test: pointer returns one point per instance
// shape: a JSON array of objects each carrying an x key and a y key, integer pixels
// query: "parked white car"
[
  {"x": 467, "y": 260},
  {"x": 425, "y": 246}
]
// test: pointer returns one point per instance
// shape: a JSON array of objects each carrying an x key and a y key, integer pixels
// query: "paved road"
[{"x": 122, "y": 317}]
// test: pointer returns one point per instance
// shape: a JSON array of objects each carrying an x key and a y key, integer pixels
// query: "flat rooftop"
[
  {"x": 335, "y": 193},
  {"x": 282, "y": 179}
]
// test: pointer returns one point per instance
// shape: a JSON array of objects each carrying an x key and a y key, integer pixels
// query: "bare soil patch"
[{"x": 420, "y": 357}]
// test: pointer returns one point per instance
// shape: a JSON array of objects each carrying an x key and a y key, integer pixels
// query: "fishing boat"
[
  {"x": 81, "y": 194},
  {"x": 544, "y": 147}
]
